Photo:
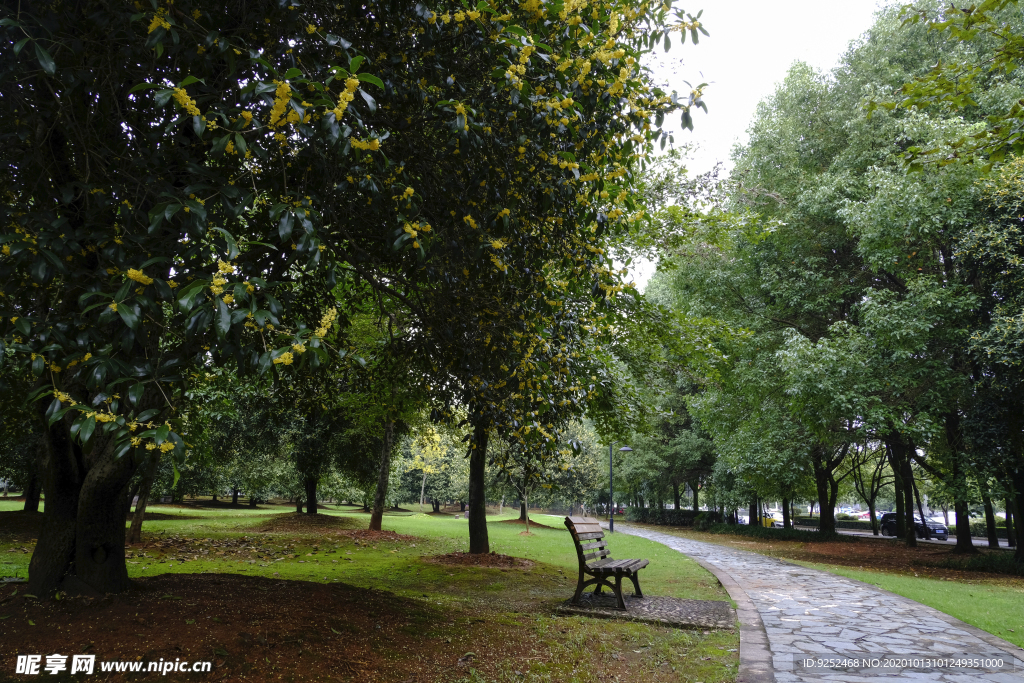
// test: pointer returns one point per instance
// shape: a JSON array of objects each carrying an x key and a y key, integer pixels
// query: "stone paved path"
[{"x": 806, "y": 611}]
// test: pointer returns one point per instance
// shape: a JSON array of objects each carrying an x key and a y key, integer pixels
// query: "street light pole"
[{"x": 611, "y": 486}]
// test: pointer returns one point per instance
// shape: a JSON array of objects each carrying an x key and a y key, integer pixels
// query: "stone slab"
[{"x": 652, "y": 609}]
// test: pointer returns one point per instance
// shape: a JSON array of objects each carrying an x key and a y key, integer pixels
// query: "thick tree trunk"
[
  {"x": 908, "y": 500},
  {"x": 383, "y": 477},
  {"x": 897, "y": 484},
  {"x": 145, "y": 488},
  {"x": 752, "y": 512},
  {"x": 522, "y": 511},
  {"x": 1018, "y": 504},
  {"x": 32, "y": 492},
  {"x": 675, "y": 494},
  {"x": 478, "y": 542},
  {"x": 252, "y": 501},
  {"x": 826, "y": 496},
  {"x": 436, "y": 504},
  {"x": 310, "y": 486},
  {"x": 696, "y": 502},
  {"x": 1011, "y": 523},
  {"x": 81, "y": 544},
  {"x": 787, "y": 523},
  {"x": 990, "y": 522},
  {"x": 213, "y": 498},
  {"x": 298, "y": 505}
]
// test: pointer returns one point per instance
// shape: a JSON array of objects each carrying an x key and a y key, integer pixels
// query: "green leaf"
[
  {"x": 368, "y": 78},
  {"x": 128, "y": 315},
  {"x": 148, "y": 415},
  {"x": 24, "y": 326},
  {"x": 20, "y": 44},
  {"x": 223, "y": 318},
  {"x": 189, "y": 80},
  {"x": 45, "y": 60},
  {"x": 355, "y": 64},
  {"x": 231, "y": 243},
  {"x": 135, "y": 392},
  {"x": 86, "y": 429},
  {"x": 284, "y": 228}
]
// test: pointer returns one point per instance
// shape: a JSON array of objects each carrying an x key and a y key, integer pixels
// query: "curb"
[{"x": 756, "y": 665}]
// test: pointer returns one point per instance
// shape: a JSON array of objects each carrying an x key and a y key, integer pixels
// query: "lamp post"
[{"x": 611, "y": 486}]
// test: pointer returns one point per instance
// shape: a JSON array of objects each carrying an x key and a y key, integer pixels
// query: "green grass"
[
  {"x": 236, "y": 540},
  {"x": 998, "y": 609}
]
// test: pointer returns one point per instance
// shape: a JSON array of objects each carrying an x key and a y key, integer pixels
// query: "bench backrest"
[{"x": 588, "y": 536}]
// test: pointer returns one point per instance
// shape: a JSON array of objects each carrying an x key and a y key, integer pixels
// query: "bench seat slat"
[
  {"x": 599, "y": 554},
  {"x": 590, "y": 546},
  {"x": 587, "y": 537}
]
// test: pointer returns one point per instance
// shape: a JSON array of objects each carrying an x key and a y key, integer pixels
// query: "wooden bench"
[{"x": 595, "y": 560}]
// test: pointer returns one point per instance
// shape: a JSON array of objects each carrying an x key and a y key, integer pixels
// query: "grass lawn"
[{"x": 272, "y": 595}]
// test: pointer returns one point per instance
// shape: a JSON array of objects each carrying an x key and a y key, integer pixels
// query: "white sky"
[{"x": 752, "y": 45}]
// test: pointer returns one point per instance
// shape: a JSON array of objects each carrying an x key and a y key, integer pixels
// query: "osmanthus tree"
[{"x": 172, "y": 170}]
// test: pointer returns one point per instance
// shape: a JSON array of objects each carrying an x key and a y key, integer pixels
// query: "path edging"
[{"x": 756, "y": 664}]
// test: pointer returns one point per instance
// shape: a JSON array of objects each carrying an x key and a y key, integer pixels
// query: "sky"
[{"x": 752, "y": 45}]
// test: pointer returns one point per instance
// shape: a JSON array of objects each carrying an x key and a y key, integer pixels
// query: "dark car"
[{"x": 926, "y": 529}]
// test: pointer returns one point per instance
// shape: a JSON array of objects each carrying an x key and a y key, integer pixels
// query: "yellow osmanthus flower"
[
  {"x": 373, "y": 144},
  {"x": 229, "y": 298},
  {"x": 469, "y": 221},
  {"x": 139, "y": 276},
  {"x": 299, "y": 348},
  {"x": 172, "y": 284},
  {"x": 166, "y": 446},
  {"x": 113, "y": 306},
  {"x": 226, "y": 268},
  {"x": 326, "y": 322},
  {"x": 282, "y": 96},
  {"x": 186, "y": 102},
  {"x": 498, "y": 244},
  {"x": 159, "y": 21},
  {"x": 284, "y": 359}
]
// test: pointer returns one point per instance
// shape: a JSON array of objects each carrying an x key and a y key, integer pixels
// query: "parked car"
[{"x": 926, "y": 529}]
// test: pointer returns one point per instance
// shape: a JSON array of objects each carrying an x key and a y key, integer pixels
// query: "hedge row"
[
  {"x": 669, "y": 517},
  {"x": 978, "y": 529}
]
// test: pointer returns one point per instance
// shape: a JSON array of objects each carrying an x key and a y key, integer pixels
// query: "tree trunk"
[
  {"x": 234, "y": 496},
  {"x": 1011, "y": 523},
  {"x": 990, "y": 522},
  {"x": 874, "y": 517},
  {"x": 908, "y": 503},
  {"x": 826, "y": 497},
  {"x": 383, "y": 477},
  {"x": 252, "y": 501},
  {"x": 298, "y": 505},
  {"x": 752, "y": 519},
  {"x": 787, "y": 523},
  {"x": 478, "y": 542},
  {"x": 423, "y": 490},
  {"x": 32, "y": 492},
  {"x": 1018, "y": 503},
  {"x": 527, "y": 500},
  {"x": 81, "y": 543},
  {"x": 436, "y": 505},
  {"x": 310, "y": 486},
  {"x": 675, "y": 494},
  {"x": 696, "y": 503},
  {"x": 213, "y": 498},
  {"x": 897, "y": 484},
  {"x": 522, "y": 510},
  {"x": 145, "y": 487}
]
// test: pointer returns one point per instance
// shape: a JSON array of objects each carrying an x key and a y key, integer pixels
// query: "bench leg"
[
  {"x": 579, "y": 589},
  {"x": 619, "y": 602},
  {"x": 636, "y": 585}
]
